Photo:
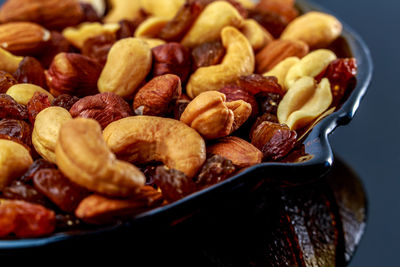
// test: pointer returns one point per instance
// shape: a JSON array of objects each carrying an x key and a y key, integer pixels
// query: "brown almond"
[
  {"x": 278, "y": 50},
  {"x": 23, "y": 38},
  {"x": 239, "y": 151}
]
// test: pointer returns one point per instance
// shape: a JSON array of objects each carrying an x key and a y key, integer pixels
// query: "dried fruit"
[
  {"x": 207, "y": 54},
  {"x": 215, "y": 169},
  {"x": 6, "y": 81},
  {"x": 268, "y": 102},
  {"x": 256, "y": 83},
  {"x": 25, "y": 219},
  {"x": 20, "y": 191},
  {"x": 127, "y": 28},
  {"x": 158, "y": 97},
  {"x": 98, "y": 47},
  {"x": 105, "y": 108},
  {"x": 59, "y": 189},
  {"x": 31, "y": 71},
  {"x": 74, "y": 74},
  {"x": 234, "y": 92},
  {"x": 274, "y": 140},
  {"x": 89, "y": 13},
  {"x": 16, "y": 130},
  {"x": 38, "y": 102},
  {"x": 57, "y": 44},
  {"x": 10, "y": 109},
  {"x": 273, "y": 22},
  {"x": 171, "y": 58},
  {"x": 340, "y": 72},
  {"x": 65, "y": 101},
  {"x": 284, "y": 8},
  {"x": 174, "y": 184},
  {"x": 180, "y": 106},
  {"x": 265, "y": 117},
  {"x": 35, "y": 167}
]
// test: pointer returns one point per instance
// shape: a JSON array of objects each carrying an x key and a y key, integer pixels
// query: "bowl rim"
[{"x": 291, "y": 173}]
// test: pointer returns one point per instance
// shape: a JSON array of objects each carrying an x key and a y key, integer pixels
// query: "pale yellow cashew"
[
  {"x": 123, "y": 9},
  {"x": 151, "y": 27},
  {"x": 162, "y": 8},
  {"x": 238, "y": 61},
  {"x": 8, "y": 61},
  {"x": 23, "y": 92},
  {"x": 210, "y": 23},
  {"x": 143, "y": 139},
  {"x": 310, "y": 65},
  {"x": 304, "y": 102}
]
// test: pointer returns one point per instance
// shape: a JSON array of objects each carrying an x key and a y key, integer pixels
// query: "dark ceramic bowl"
[{"x": 316, "y": 145}]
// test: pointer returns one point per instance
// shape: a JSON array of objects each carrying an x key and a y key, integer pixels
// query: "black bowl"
[{"x": 318, "y": 163}]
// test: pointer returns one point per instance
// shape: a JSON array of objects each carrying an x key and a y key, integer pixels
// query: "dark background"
[{"x": 370, "y": 144}]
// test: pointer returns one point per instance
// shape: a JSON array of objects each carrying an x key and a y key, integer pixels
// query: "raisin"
[
  {"x": 180, "y": 107},
  {"x": 340, "y": 73},
  {"x": 215, "y": 169},
  {"x": 59, "y": 189},
  {"x": 174, "y": 184},
  {"x": 6, "y": 81},
  {"x": 257, "y": 83},
  {"x": 273, "y": 22},
  {"x": 234, "y": 92},
  {"x": 31, "y": 71},
  {"x": 38, "y": 102},
  {"x": 265, "y": 117},
  {"x": 35, "y": 167},
  {"x": 283, "y": 8},
  {"x": 25, "y": 219},
  {"x": 150, "y": 172},
  {"x": 10, "y": 109},
  {"x": 98, "y": 47},
  {"x": 128, "y": 27},
  {"x": 65, "y": 222},
  {"x": 16, "y": 130},
  {"x": 65, "y": 101},
  {"x": 89, "y": 13},
  {"x": 207, "y": 54},
  {"x": 268, "y": 102},
  {"x": 274, "y": 140},
  {"x": 56, "y": 45},
  {"x": 20, "y": 191}
]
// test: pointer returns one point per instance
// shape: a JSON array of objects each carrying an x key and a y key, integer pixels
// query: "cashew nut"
[
  {"x": 211, "y": 21},
  {"x": 142, "y": 139},
  {"x": 123, "y": 77},
  {"x": 316, "y": 29},
  {"x": 123, "y": 9},
  {"x": 310, "y": 65},
  {"x": 151, "y": 27},
  {"x": 14, "y": 161},
  {"x": 304, "y": 102},
  {"x": 239, "y": 60},
  {"x": 23, "y": 92},
  {"x": 281, "y": 70},
  {"x": 46, "y": 129},
  {"x": 162, "y": 8},
  {"x": 83, "y": 157},
  {"x": 256, "y": 34},
  {"x": 9, "y": 62}
]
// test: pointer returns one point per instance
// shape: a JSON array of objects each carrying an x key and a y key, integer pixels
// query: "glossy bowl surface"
[{"x": 316, "y": 145}]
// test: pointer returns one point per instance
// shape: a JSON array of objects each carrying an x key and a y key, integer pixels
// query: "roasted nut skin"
[
  {"x": 14, "y": 161},
  {"x": 98, "y": 47},
  {"x": 104, "y": 108},
  {"x": 121, "y": 76},
  {"x": 172, "y": 142},
  {"x": 158, "y": 97},
  {"x": 171, "y": 58},
  {"x": 212, "y": 117},
  {"x": 240, "y": 152},
  {"x": 46, "y": 129},
  {"x": 75, "y": 74},
  {"x": 83, "y": 157},
  {"x": 56, "y": 45},
  {"x": 52, "y": 14}
]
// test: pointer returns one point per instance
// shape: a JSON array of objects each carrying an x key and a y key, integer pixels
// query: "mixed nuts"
[{"x": 112, "y": 108}]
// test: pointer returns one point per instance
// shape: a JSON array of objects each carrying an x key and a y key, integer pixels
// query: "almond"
[
  {"x": 51, "y": 14},
  {"x": 278, "y": 50},
  {"x": 23, "y": 38},
  {"x": 239, "y": 151}
]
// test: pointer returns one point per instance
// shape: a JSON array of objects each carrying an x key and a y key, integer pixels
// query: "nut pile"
[{"x": 109, "y": 109}]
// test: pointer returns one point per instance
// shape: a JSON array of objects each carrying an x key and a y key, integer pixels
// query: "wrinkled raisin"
[
  {"x": 35, "y": 167},
  {"x": 59, "y": 189},
  {"x": 265, "y": 117},
  {"x": 215, "y": 169},
  {"x": 16, "y": 130},
  {"x": 98, "y": 47},
  {"x": 340, "y": 73},
  {"x": 256, "y": 83},
  {"x": 207, "y": 54},
  {"x": 20, "y": 191},
  {"x": 268, "y": 102},
  {"x": 234, "y": 92},
  {"x": 273, "y": 22},
  {"x": 66, "y": 222},
  {"x": 281, "y": 7},
  {"x": 38, "y": 102},
  {"x": 65, "y": 101},
  {"x": 274, "y": 140},
  {"x": 10, "y": 109},
  {"x": 128, "y": 27},
  {"x": 174, "y": 184},
  {"x": 25, "y": 219},
  {"x": 6, "y": 81},
  {"x": 31, "y": 71}
]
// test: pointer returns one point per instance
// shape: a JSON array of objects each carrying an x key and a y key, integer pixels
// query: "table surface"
[{"x": 370, "y": 143}]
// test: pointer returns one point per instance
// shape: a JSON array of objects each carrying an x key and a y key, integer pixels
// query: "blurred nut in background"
[
  {"x": 161, "y": 8},
  {"x": 31, "y": 71},
  {"x": 123, "y": 9},
  {"x": 256, "y": 34}
]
